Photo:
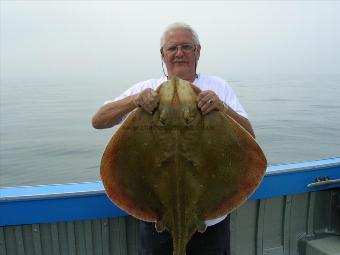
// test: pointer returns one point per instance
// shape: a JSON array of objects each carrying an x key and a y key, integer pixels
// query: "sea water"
[{"x": 47, "y": 137}]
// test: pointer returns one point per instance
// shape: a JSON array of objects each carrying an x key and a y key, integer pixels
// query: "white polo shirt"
[{"x": 204, "y": 82}]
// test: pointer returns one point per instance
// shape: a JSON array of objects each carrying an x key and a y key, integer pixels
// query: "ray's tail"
[{"x": 179, "y": 245}]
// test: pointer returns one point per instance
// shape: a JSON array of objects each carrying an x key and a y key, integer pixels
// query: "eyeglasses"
[{"x": 185, "y": 47}]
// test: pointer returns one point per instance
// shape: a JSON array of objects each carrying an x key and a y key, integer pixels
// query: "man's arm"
[{"x": 111, "y": 114}]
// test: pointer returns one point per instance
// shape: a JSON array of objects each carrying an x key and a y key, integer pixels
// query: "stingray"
[{"x": 179, "y": 168}]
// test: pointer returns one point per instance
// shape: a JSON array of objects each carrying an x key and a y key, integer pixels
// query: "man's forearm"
[{"x": 111, "y": 114}]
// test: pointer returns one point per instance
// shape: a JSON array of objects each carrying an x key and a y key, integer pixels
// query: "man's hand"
[
  {"x": 208, "y": 101},
  {"x": 148, "y": 99}
]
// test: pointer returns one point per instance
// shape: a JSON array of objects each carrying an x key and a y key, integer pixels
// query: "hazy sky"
[{"x": 108, "y": 38}]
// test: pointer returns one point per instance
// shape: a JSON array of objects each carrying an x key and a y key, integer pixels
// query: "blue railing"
[{"x": 80, "y": 201}]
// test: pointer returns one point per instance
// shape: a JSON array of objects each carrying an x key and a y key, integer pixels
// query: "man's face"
[{"x": 180, "y": 54}]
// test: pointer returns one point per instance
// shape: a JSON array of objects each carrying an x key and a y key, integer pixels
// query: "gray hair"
[{"x": 180, "y": 25}]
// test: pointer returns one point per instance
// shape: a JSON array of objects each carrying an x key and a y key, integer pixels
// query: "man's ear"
[{"x": 198, "y": 52}]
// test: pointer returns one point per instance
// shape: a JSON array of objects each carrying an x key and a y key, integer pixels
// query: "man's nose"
[{"x": 179, "y": 51}]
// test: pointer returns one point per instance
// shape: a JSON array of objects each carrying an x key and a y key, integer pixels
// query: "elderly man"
[{"x": 180, "y": 51}]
